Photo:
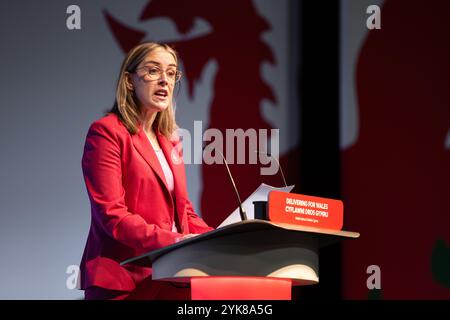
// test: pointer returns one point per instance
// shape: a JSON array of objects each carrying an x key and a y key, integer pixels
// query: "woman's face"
[{"x": 154, "y": 80}]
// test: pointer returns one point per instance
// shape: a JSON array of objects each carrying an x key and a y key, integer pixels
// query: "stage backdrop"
[
  {"x": 395, "y": 148},
  {"x": 240, "y": 62}
]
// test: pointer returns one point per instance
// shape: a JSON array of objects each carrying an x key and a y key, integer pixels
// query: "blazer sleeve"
[{"x": 101, "y": 165}]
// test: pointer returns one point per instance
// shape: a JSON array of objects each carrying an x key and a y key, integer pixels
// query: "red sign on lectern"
[{"x": 305, "y": 210}]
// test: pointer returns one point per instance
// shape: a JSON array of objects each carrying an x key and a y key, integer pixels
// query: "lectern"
[{"x": 248, "y": 260}]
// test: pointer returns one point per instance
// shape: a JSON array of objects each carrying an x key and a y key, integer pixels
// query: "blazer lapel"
[{"x": 143, "y": 146}]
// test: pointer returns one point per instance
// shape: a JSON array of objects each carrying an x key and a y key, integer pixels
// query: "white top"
[
  {"x": 166, "y": 169},
  {"x": 167, "y": 174}
]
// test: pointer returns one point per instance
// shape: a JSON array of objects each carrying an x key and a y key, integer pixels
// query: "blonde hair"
[{"x": 126, "y": 105}]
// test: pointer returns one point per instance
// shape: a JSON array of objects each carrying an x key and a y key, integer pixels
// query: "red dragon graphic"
[{"x": 396, "y": 178}]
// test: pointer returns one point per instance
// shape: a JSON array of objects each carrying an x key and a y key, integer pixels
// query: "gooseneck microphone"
[
  {"x": 241, "y": 209},
  {"x": 279, "y": 166}
]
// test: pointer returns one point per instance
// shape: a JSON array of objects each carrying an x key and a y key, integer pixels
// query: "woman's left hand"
[{"x": 186, "y": 236}]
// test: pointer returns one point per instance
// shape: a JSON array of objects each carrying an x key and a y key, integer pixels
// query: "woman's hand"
[{"x": 186, "y": 236}]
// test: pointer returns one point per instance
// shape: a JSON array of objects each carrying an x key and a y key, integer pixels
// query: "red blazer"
[{"x": 132, "y": 208}]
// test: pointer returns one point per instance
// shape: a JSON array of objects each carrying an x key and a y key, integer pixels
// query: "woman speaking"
[{"x": 136, "y": 181}]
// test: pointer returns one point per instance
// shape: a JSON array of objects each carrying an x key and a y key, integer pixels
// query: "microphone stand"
[
  {"x": 242, "y": 212},
  {"x": 279, "y": 166}
]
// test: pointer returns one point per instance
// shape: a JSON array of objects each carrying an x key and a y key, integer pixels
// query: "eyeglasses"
[{"x": 154, "y": 73}]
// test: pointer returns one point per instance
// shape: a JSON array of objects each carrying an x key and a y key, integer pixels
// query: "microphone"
[
  {"x": 241, "y": 209},
  {"x": 279, "y": 166}
]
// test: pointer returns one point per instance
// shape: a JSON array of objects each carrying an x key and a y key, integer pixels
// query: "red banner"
[{"x": 305, "y": 210}]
